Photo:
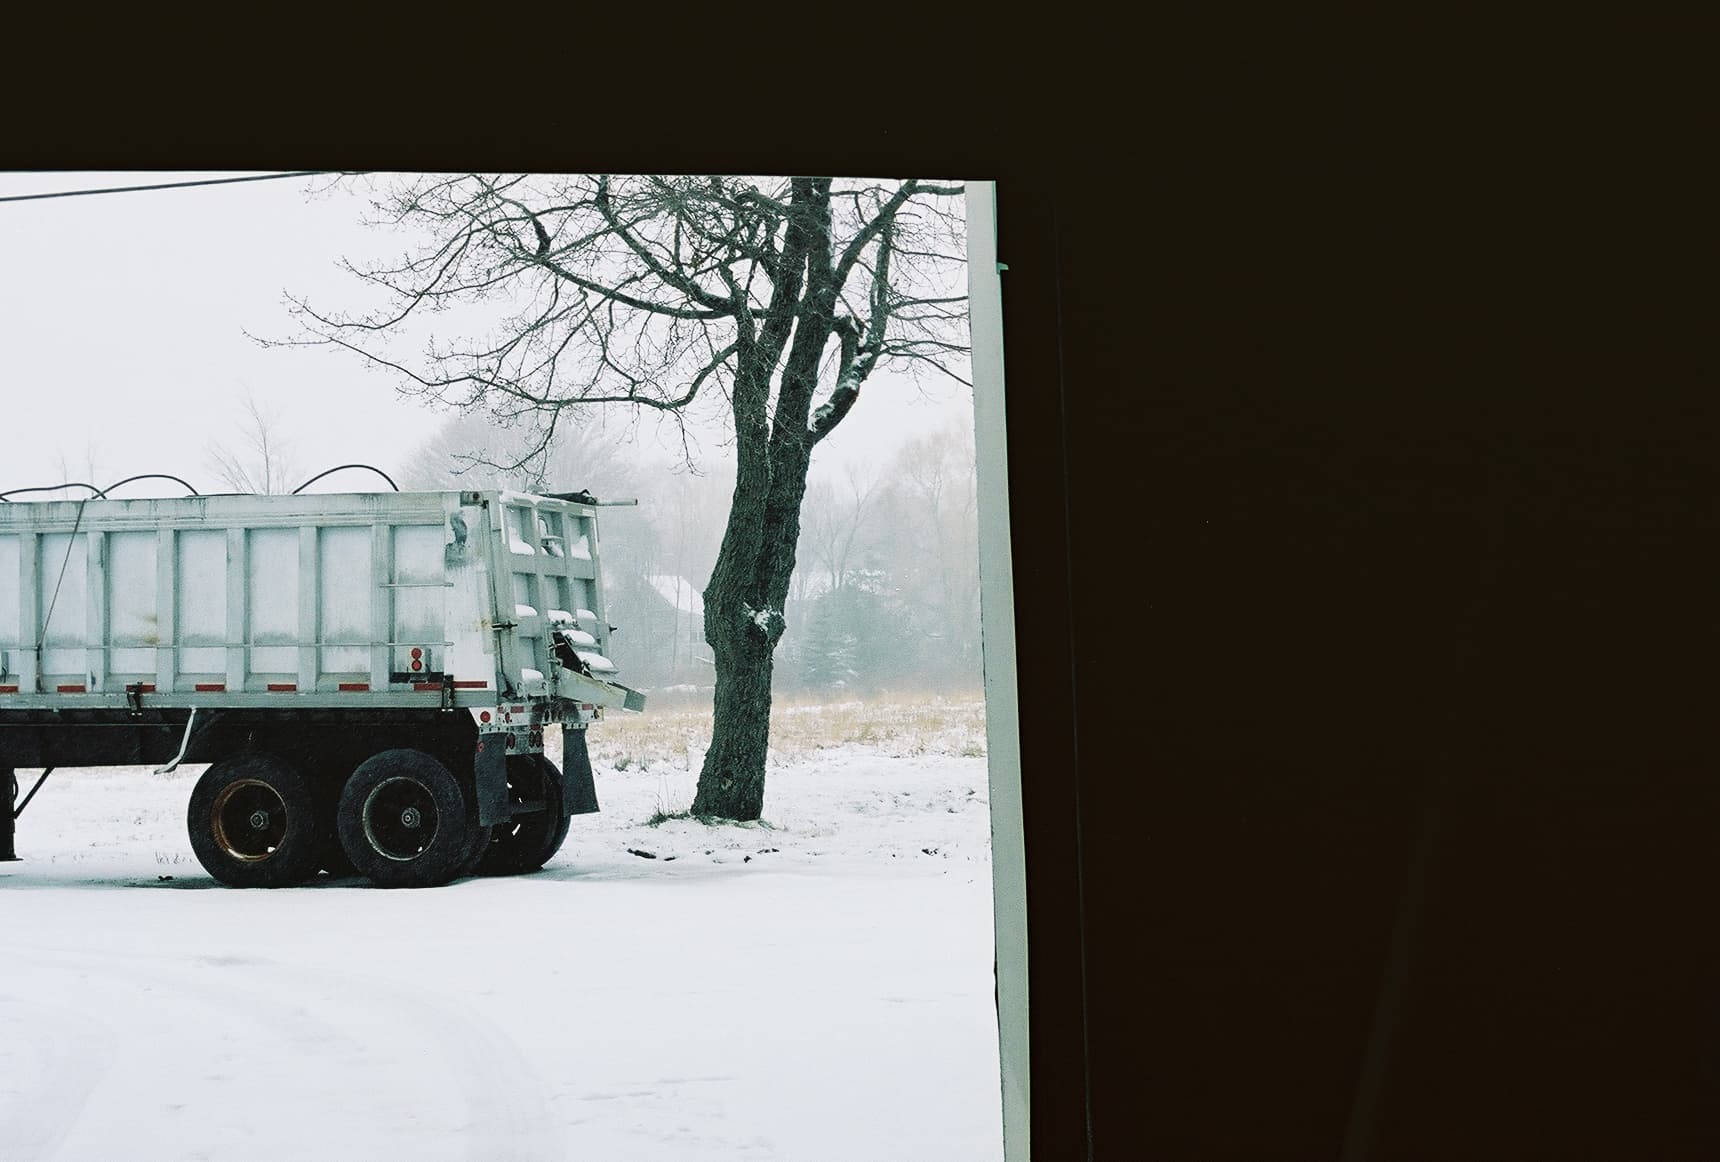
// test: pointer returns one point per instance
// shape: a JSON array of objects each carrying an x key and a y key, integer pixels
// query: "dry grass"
[{"x": 676, "y": 731}]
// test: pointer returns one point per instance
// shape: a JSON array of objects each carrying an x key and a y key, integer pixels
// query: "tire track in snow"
[
  {"x": 55, "y": 1077},
  {"x": 190, "y": 1003},
  {"x": 508, "y": 1117}
]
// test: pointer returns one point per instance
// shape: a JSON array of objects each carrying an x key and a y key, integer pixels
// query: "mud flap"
[
  {"x": 8, "y": 813},
  {"x": 578, "y": 788},
  {"x": 490, "y": 771}
]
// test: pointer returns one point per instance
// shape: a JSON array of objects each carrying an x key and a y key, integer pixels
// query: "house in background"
[
  {"x": 685, "y": 610},
  {"x": 661, "y": 639}
]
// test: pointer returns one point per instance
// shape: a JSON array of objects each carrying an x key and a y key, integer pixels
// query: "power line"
[{"x": 267, "y": 177}]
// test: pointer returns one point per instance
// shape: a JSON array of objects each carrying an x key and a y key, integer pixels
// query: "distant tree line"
[{"x": 885, "y": 595}]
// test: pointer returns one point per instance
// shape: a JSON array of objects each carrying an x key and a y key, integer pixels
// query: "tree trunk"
[
  {"x": 731, "y": 785},
  {"x": 743, "y": 624},
  {"x": 749, "y": 586}
]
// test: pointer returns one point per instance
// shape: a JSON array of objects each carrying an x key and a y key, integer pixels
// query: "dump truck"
[{"x": 369, "y": 675}]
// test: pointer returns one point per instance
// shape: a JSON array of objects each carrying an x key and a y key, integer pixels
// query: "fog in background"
[{"x": 124, "y": 322}]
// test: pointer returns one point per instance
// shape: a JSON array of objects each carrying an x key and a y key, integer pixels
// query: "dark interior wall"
[
  {"x": 1374, "y": 682},
  {"x": 1392, "y": 508}
]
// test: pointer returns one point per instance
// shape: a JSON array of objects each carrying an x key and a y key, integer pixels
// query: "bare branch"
[
  {"x": 261, "y": 464},
  {"x": 718, "y": 305}
]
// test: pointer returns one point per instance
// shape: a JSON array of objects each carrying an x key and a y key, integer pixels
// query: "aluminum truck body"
[{"x": 302, "y": 637}]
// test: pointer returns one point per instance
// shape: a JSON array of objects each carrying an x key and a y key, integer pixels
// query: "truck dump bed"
[{"x": 343, "y": 600}]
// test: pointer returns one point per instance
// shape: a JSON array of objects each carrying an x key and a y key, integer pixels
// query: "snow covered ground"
[{"x": 817, "y": 986}]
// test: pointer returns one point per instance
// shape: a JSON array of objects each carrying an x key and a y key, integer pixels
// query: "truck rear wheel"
[
  {"x": 481, "y": 836},
  {"x": 527, "y": 842},
  {"x": 252, "y": 822},
  {"x": 403, "y": 821}
]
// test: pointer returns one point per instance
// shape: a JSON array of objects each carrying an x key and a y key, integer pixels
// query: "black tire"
[
  {"x": 480, "y": 844},
  {"x": 403, "y": 820},
  {"x": 527, "y": 842},
  {"x": 252, "y": 822}
]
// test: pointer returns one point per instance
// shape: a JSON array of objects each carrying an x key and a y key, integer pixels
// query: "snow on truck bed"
[{"x": 815, "y": 987}]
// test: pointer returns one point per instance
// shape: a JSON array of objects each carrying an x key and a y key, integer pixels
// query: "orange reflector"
[
  {"x": 8, "y": 689},
  {"x": 210, "y": 687},
  {"x": 282, "y": 687},
  {"x": 354, "y": 687}
]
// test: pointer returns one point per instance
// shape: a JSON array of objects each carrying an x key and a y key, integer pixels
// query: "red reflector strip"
[
  {"x": 471, "y": 685},
  {"x": 354, "y": 687},
  {"x": 423, "y": 687},
  {"x": 210, "y": 687},
  {"x": 282, "y": 687},
  {"x": 146, "y": 688},
  {"x": 8, "y": 689},
  {"x": 76, "y": 688}
]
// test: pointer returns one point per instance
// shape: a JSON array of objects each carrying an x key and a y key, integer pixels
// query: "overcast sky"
[{"x": 122, "y": 335}]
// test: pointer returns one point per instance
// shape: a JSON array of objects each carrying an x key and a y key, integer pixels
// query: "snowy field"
[{"x": 817, "y": 986}]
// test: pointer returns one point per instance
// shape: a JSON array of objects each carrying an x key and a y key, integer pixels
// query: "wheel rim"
[
  {"x": 248, "y": 820},
  {"x": 400, "y": 819}
]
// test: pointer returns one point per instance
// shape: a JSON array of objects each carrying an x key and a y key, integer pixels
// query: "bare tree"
[
  {"x": 73, "y": 476},
  {"x": 261, "y": 460},
  {"x": 837, "y": 514},
  {"x": 934, "y": 496},
  {"x": 776, "y": 298},
  {"x": 470, "y": 450}
]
